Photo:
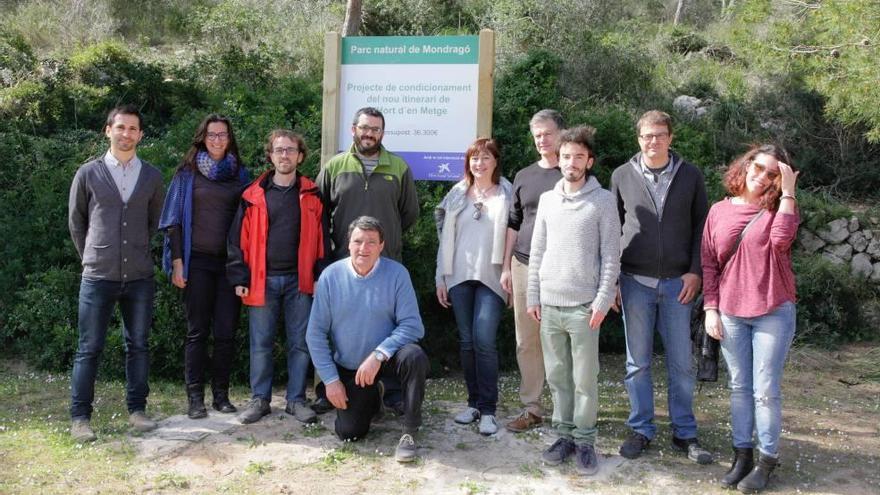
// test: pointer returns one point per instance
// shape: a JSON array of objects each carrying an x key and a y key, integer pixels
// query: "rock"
[
  {"x": 858, "y": 241},
  {"x": 853, "y": 224},
  {"x": 834, "y": 259},
  {"x": 869, "y": 234},
  {"x": 874, "y": 248},
  {"x": 835, "y": 232},
  {"x": 809, "y": 241},
  {"x": 875, "y": 275},
  {"x": 686, "y": 105},
  {"x": 842, "y": 251},
  {"x": 861, "y": 266}
]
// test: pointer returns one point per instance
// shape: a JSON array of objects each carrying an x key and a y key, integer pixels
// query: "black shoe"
[
  {"x": 757, "y": 480},
  {"x": 221, "y": 402},
  {"x": 557, "y": 453},
  {"x": 196, "y": 397},
  {"x": 586, "y": 461},
  {"x": 743, "y": 462},
  {"x": 322, "y": 405},
  {"x": 634, "y": 445},
  {"x": 692, "y": 447}
]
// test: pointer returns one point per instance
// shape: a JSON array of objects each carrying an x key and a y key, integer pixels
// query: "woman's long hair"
[{"x": 198, "y": 141}]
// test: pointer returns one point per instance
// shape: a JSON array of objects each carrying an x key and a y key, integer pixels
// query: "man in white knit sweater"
[{"x": 573, "y": 270}]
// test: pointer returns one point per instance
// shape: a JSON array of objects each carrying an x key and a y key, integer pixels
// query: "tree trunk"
[
  {"x": 353, "y": 15},
  {"x": 679, "y": 10}
]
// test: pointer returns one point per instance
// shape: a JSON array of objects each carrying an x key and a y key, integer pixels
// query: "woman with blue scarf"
[{"x": 199, "y": 208}]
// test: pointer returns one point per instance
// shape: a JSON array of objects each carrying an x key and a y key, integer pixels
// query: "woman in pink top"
[{"x": 749, "y": 298}]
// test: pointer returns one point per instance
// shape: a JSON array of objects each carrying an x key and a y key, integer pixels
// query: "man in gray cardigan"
[
  {"x": 662, "y": 205},
  {"x": 114, "y": 207},
  {"x": 573, "y": 267}
]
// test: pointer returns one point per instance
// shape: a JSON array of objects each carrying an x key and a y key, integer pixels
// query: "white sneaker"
[
  {"x": 467, "y": 416},
  {"x": 488, "y": 425}
]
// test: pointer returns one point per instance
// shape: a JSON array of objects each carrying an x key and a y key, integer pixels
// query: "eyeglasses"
[
  {"x": 479, "y": 210},
  {"x": 661, "y": 136},
  {"x": 217, "y": 136},
  {"x": 760, "y": 168},
  {"x": 365, "y": 128},
  {"x": 282, "y": 151}
]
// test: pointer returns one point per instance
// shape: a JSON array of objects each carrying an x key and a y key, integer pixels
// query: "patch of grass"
[
  {"x": 314, "y": 430},
  {"x": 259, "y": 468},
  {"x": 471, "y": 487},
  {"x": 531, "y": 470},
  {"x": 172, "y": 480},
  {"x": 336, "y": 457}
]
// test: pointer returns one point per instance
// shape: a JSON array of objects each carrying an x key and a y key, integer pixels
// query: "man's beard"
[{"x": 367, "y": 151}]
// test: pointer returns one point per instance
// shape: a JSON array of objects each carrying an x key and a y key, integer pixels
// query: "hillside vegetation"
[{"x": 799, "y": 73}]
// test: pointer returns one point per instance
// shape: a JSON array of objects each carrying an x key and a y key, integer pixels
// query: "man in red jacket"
[{"x": 277, "y": 244}]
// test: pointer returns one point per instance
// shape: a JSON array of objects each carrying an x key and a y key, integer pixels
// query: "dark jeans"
[
  {"x": 410, "y": 366},
  {"x": 477, "y": 312},
  {"x": 97, "y": 298},
  {"x": 209, "y": 302}
]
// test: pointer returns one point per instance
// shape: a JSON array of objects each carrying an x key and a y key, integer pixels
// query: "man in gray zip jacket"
[
  {"x": 662, "y": 205},
  {"x": 114, "y": 208}
]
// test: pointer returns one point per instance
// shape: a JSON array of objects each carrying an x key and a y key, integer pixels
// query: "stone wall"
[{"x": 845, "y": 241}]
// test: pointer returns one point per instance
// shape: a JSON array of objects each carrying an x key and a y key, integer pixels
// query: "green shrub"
[
  {"x": 830, "y": 302},
  {"x": 683, "y": 41},
  {"x": 16, "y": 58}
]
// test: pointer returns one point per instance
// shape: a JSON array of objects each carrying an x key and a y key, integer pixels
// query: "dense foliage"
[{"x": 260, "y": 65}]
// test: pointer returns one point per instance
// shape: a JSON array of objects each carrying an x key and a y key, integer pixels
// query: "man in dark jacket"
[
  {"x": 277, "y": 244},
  {"x": 662, "y": 204},
  {"x": 114, "y": 207}
]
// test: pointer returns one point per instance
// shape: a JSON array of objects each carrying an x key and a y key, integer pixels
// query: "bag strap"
[{"x": 739, "y": 238}]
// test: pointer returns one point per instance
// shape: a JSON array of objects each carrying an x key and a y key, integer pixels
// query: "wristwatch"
[{"x": 379, "y": 355}]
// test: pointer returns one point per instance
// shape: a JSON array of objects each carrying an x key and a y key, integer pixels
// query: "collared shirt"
[
  {"x": 658, "y": 183},
  {"x": 125, "y": 175},
  {"x": 658, "y": 187},
  {"x": 358, "y": 275}
]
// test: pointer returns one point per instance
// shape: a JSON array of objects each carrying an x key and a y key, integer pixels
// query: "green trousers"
[{"x": 571, "y": 361}]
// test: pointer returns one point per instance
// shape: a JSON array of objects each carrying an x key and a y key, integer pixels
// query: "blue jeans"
[
  {"x": 97, "y": 299},
  {"x": 282, "y": 298},
  {"x": 755, "y": 350},
  {"x": 477, "y": 312},
  {"x": 645, "y": 309}
]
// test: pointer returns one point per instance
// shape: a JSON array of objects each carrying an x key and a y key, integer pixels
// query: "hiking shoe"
[
  {"x": 557, "y": 453},
  {"x": 140, "y": 422},
  {"x": 488, "y": 425},
  {"x": 694, "y": 451},
  {"x": 406, "y": 449},
  {"x": 81, "y": 431},
  {"x": 586, "y": 461},
  {"x": 322, "y": 405},
  {"x": 301, "y": 412},
  {"x": 467, "y": 416},
  {"x": 633, "y": 447},
  {"x": 524, "y": 422},
  {"x": 256, "y": 409}
]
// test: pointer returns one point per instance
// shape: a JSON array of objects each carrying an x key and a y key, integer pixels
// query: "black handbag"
[{"x": 705, "y": 348}]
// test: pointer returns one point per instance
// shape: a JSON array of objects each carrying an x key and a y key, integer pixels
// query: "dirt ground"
[{"x": 831, "y": 444}]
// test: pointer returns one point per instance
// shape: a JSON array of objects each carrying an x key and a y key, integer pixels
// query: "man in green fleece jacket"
[{"x": 369, "y": 180}]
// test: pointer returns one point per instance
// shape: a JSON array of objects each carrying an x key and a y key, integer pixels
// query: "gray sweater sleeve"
[
  {"x": 609, "y": 255},
  {"x": 78, "y": 212}
]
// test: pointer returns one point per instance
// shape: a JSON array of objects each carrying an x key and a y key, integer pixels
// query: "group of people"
[{"x": 553, "y": 244}]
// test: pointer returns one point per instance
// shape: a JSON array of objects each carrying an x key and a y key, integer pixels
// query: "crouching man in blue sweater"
[{"x": 364, "y": 325}]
